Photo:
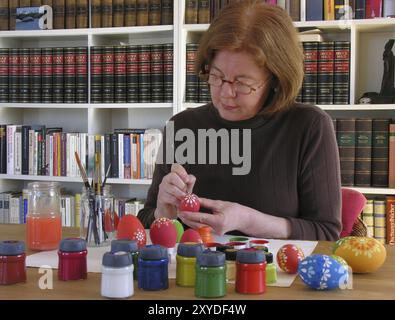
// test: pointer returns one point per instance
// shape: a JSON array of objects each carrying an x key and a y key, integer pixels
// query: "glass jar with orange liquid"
[{"x": 44, "y": 219}]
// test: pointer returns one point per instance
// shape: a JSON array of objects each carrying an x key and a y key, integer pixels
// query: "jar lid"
[
  {"x": 230, "y": 254},
  {"x": 42, "y": 185},
  {"x": 72, "y": 245},
  {"x": 210, "y": 258},
  {"x": 191, "y": 249},
  {"x": 250, "y": 255},
  {"x": 269, "y": 257},
  {"x": 223, "y": 247},
  {"x": 153, "y": 252},
  {"x": 118, "y": 259},
  {"x": 11, "y": 247},
  {"x": 124, "y": 245}
]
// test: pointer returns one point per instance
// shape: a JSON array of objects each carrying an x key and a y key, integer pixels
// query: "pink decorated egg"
[
  {"x": 288, "y": 258},
  {"x": 163, "y": 232},
  {"x": 130, "y": 227},
  {"x": 191, "y": 235}
]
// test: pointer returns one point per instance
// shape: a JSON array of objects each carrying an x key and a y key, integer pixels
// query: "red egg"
[
  {"x": 288, "y": 258},
  {"x": 191, "y": 235},
  {"x": 163, "y": 232},
  {"x": 190, "y": 203},
  {"x": 130, "y": 227}
]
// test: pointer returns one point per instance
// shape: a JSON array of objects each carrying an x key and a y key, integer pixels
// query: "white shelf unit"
[{"x": 367, "y": 38}]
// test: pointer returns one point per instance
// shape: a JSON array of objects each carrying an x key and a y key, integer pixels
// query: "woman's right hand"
[{"x": 172, "y": 189}]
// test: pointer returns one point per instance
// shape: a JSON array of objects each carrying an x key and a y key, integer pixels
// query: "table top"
[{"x": 378, "y": 285}]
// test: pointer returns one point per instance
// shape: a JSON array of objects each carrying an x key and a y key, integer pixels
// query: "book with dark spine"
[
  {"x": 96, "y": 74},
  {"x": 24, "y": 73},
  {"x": 3, "y": 149},
  {"x": 106, "y": 13},
  {"x": 314, "y": 10},
  {"x": 191, "y": 11},
  {"x": 69, "y": 75},
  {"x": 24, "y": 3},
  {"x": 214, "y": 8},
  {"x": 142, "y": 8},
  {"x": 309, "y": 89},
  {"x": 58, "y": 75},
  {"x": 156, "y": 73},
  {"x": 108, "y": 74},
  {"x": 25, "y": 149},
  {"x": 345, "y": 135},
  {"x": 168, "y": 72},
  {"x": 130, "y": 13},
  {"x": 13, "y": 78},
  {"x": 46, "y": 75},
  {"x": 341, "y": 73},
  {"x": 4, "y": 70},
  {"x": 35, "y": 75},
  {"x": 107, "y": 152},
  {"x": 154, "y": 12},
  {"x": 203, "y": 11},
  {"x": 192, "y": 80},
  {"x": 58, "y": 14},
  {"x": 114, "y": 156},
  {"x": 132, "y": 73},
  {"x": 363, "y": 152},
  {"x": 391, "y": 169},
  {"x": 81, "y": 75},
  {"x": 204, "y": 91},
  {"x": 13, "y": 4},
  {"x": 325, "y": 72},
  {"x": 120, "y": 74},
  {"x": 4, "y": 15},
  {"x": 293, "y": 9},
  {"x": 380, "y": 152},
  {"x": 167, "y": 12},
  {"x": 118, "y": 13},
  {"x": 359, "y": 9},
  {"x": 96, "y": 13},
  {"x": 144, "y": 73},
  {"x": 82, "y": 14},
  {"x": 70, "y": 14}
]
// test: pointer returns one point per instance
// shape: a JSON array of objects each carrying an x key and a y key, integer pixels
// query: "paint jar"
[
  {"x": 186, "y": 263},
  {"x": 127, "y": 246},
  {"x": 250, "y": 271},
  {"x": 12, "y": 262},
  {"x": 72, "y": 259},
  {"x": 44, "y": 219},
  {"x": 153, "y": 272},
  {"x": 117, "y": 275},
  {"x": 230, "y": 256},
  {"x": 210, "y": 275},
  {"x": 258, "y": 243},
  {"x": 106, "y": 208},
  {"x": 271, "y": 269},
  {"x": 213, "y": 246},
  {"x": 237, "y": 245}
]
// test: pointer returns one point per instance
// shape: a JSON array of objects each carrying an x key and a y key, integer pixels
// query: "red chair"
[{"x": 353, "y": 203}]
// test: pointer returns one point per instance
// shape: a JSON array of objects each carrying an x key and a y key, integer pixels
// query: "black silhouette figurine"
[{"x": 387, "y": 92}]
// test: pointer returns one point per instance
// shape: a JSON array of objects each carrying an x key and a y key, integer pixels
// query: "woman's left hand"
[{"x": 226, "y": 216}]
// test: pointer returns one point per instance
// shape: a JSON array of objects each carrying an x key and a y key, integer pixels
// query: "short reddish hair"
[{"x": 267, "y": 33}]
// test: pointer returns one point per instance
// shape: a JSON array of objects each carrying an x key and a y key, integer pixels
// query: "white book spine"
[
  {"x": 18, "y": 152},
  {"x": 10, "y": 148},
  {"x": 302, "y": 10},
  {"x": 120, "y": 156},
  {"x": 35, "y": 153},
  {"x": 31, "y": 151},
  {"x": 68, "y": 158},
  {"x": 51, "y": 155},
  {"x": 102, "y": 154}
]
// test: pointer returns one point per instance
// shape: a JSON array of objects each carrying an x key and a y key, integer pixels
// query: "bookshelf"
[{"x": 367, "y": 38}]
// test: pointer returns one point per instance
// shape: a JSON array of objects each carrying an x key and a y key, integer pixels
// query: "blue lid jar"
[
  {"x": 124, "y": 245},
  {"x": 72, "y": 245},
  {"x": 189, "y": 249},
  {"x": 210, "y": 258},
  {"x": 11, "y": 248},
  {"x": 118, "y": 259},
  {"x": 153, "y": 252}
]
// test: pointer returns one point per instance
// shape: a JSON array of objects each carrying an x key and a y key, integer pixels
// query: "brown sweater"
[{"x": 294, "y": 172}]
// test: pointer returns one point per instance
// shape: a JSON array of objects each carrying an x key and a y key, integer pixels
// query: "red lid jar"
[
  {"x": 250, "y": 271},
  {"x": 12, "y": 262},
  {"x": 72, "y": 259}
]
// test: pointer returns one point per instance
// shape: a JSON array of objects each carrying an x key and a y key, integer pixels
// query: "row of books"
[
  {"x": 132, "y": 73},
  {"x": 327, "y": 73},
  {"x": 14, "y": 207},
  {"x": 367, "y": 152},
  {"x": 379, "y": 217},
  {"x": 204, "y": 11},
  {"x": 44, "y": 75},
  {"x": 196, "y": 90},
  {"x": 37, "y": 150}
]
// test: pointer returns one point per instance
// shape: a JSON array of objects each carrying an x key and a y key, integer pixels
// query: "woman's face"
[{"x": 240, "y": 67}]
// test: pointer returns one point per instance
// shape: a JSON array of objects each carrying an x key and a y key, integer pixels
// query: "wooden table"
[{"x": 379, "y": 285}]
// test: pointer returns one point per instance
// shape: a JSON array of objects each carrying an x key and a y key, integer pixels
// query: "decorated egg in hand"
[
  {"x": 362, "y": 254},
  {"x": 288, "y": 258},
  {"x": 322, "y": 272},
  {"x": 130, "y": 227},
  {"x": 190, "y": 203},
  {"x": 191, "y": 235},
  {"x": 163, "y": 232}
]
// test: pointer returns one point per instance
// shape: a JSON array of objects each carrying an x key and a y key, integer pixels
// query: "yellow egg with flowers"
[{"x": 362, "y": 254}]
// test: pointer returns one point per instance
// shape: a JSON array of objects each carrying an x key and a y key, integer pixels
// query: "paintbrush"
[
  {"x": 106, "y": 176},
  {"x": 82, "y": 170}
]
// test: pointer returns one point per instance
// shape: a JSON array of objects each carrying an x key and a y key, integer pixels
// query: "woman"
[{"x": 253, "y": 63}]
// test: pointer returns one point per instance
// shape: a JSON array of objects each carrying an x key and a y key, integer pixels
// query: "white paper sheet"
[{"x": 94, "y": 260}]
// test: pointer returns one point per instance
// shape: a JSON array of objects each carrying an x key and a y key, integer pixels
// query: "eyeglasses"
[{"x": 238, "y": 86}]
